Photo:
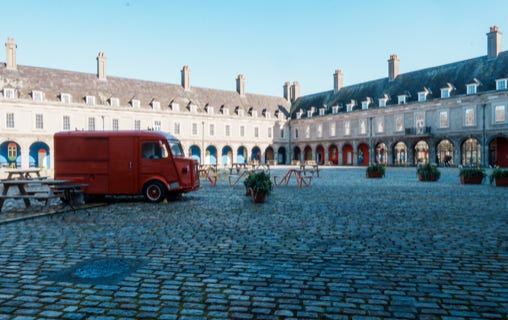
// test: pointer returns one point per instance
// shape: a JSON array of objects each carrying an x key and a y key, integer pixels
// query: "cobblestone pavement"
[{"x": 346, "y": 247}]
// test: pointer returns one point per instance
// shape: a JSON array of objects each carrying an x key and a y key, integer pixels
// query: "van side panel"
[{"x": 123, "y": 168}]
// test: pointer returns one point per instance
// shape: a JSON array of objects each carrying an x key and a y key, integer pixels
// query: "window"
[
  {"x": 242, "y": 131},
  {"x": 499, "y": 114},
  {"x": 296, "y": 133},
  {"x": 443, "y": 119},
  {"x": 12, "y": 150},
  {"x": 349, "y": 107},
  {"x": 320, "y": 131},
  {"x": 299, "y": 114},
  {"x": 363, "y": 126},
  {"x": 65, "y": 98},
  {"x": 269, "y": 132},
  {"x": 382, "y": 102},
  {"x": 157, "y": 125},
  {"x": 254, "y": 113},
  {"x": 114, "y": 102},
  {"x": 307, "y": 132},
  {"x": 256, "y": 132},
  {"x": 227, "y": 130},
  {"x": 209, "y": 110},
  {"x": 471, "y": 88},
  {"x": 37, "y": 95},
  {"x": 282, "y": 132},
  {"x": 177, "y": 127},
  {"x": 9, "y": 120},
  {"x": 194, "y": 129},
  {"x": 333, "y": 130},
  {"x": 399, "y": 123},
  {"x": 268, "y": 115},
  {"x": 365, "y": 104},
  {"x": 422, "y": 96},
  {"x": 175, "y": 106},
  {"x": 9, "y": 93},
  {"x": 90, "y": 100},
  {"x": 156, "y": 105},
  {"x": 309, "y": 114},
  {"x": 39, "y": 121},
  {"x": 66, "y": 123},
  {"x": 156, "y": 150},
  {"x": 240, "y": 113},
  {"x": 91, "y": 124},
  {"x": 380, "y": 125},
  {"x": 322, "y": 111},
  {"x": 212, "y": 129},
  {"x": 445, "y": 93},
  {"x": 402, "y": 99},
  {"x": 135, "y": 103},
  {"x": 335, "y": 109},
  {"x": 137, "y": 124},
  {"x": 115, "y": 125},
  {"x": 347, "y": 128},
  {"x": 470, "y": 117},
  {"x": 420, "y": 122},
  {"x": 225, "y": 111},
  {"x": 501, "y": 84}
]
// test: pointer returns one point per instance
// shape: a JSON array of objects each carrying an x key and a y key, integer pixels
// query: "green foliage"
[
  {"x": 498, "y": 173},
  {"x": 259, "y": 182},
  {"x": 428, "y": 172},
  {"x": 375, "y": 168},
  {"x": 472, "y": 172}
]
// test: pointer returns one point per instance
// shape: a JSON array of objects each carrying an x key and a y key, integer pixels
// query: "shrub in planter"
[
  {"x": 259, "y": 185},
  {"x": 428, "y": 172},
  {"x": 471, "y": 175},
  {"x": 500, "y": 176},
  {"x": 375, "y": 171}
]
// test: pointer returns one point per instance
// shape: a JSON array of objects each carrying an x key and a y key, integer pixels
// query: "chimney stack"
[
  {"x": 295, "y": 91},
  {"x": 240, "y": 85},
  {"x": 286, "y": 91},
  {"x": 493, "y": 42},
  {"x": 337, "y": 80},
  {"x": 101, "y": 66},
  {"x": 393, "y": 67},
  {"x": 186, "y": 78},
  {"x": 10, "y": 48}
]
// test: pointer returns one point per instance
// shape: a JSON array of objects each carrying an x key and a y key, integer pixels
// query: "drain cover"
[{"x": 98, "y": 271}]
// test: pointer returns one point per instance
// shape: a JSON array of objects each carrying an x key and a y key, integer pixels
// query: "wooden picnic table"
[
  {"x": 41, "y": 194},
  {"x": 314, "y": 168},
  {"x": 23, "y": 173},
  {"x": 300, "y": 179}
]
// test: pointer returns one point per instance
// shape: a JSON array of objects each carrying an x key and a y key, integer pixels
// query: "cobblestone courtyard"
[{"x": 346, "y": 247}]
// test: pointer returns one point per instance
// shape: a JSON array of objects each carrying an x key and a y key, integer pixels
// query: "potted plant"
[
  {"x": 428, "y": 172},
  {"x": 375, "y": 171},
  {"x": 259, "y": 185},
  {"x": 500, "y": 176},
  {"x": 471, "y": 175}
]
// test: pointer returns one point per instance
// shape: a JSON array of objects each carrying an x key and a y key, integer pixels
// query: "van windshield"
[{"x": 176, "y": 148}]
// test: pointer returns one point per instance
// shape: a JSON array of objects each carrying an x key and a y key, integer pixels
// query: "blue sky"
[{"x": 268, "y": 41}]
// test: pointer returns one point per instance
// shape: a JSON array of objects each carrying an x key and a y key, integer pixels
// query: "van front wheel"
[{"x": 154, "y": 191}]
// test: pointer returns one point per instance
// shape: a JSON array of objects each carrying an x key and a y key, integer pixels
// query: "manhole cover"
[{"x": 98, "y": 271}]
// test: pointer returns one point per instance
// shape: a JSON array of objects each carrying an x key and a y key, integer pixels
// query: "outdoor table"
[
  {"x": 23, "y": 173},
  {"x": 23, "y": 193},
  {"x": 300, "y": 179}
]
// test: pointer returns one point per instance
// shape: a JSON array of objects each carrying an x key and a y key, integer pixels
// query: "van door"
[
  {"x": 122, "y": 166},
  {"x": 157, "y": 162}
]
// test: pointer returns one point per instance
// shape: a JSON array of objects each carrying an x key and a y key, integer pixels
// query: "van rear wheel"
[{"x": 154, "y": 191}]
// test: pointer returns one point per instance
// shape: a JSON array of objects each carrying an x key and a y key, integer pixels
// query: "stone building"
[{"x": 454, "y": 114}]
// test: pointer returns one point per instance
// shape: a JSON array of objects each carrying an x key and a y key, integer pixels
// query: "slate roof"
[
  {"x": 458, "y": 74},
  {"x": 54, "y": 82}
]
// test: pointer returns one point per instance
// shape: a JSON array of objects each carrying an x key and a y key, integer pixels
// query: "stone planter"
[
  {"x": 257, "y": 197},
  {"x": 471, "y": 180},
  {"x": 428, "y": 177},
  {"x": 501, "y": 181},
  {"x": 374, "y": 174}
]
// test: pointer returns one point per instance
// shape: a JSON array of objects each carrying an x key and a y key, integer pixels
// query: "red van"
[{"x": 148, "y": 163}]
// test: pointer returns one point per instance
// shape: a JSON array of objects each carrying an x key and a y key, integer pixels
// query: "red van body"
[{"x": 150, "y": 163}]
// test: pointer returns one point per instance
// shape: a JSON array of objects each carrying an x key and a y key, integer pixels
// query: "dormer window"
[
  {"x": 382, "y": 101},
  {"x": 114, "y": 102},
  {"x": 366, "y": 103},
  {"x": 37, "y": 95},
  {"x": 135, "y": 103},
  {"x": 299, "y": 114},
  {"x": 193, "y": 108},
  {"x": 335, "y": 109},
  {"x": 309, "y": 113},
  {"x": 322, "y": 111},
  {"x": 471, "y": 88},
  {"x": 446, "y": 91},
  {"x": 501, "y": 84},
  {"x": 174, "y": 106},
  {"x": 422, "y": 95},
  {"x": 238, "y": 111},
  {"x": 90, "y": 100},
  {"x": 224, "y": 111},
  {"x": 156, "y": 105},
  {"x": 402, "y": 99},
  {"x": 65, "y": 98},
  {"x": 267, "y": 114},
  {"x": 9, "y": 93},
  {"x": 254, "y": 113}
]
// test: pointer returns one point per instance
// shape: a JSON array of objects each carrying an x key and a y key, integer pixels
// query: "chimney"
[
  {"x": 10, "y": 48},
  {"x": 493, "y": 42},
  {"x": 101, "y": 66},
  {"x": 337, "y": 80},
  {"x": 393, "y": 67},
  {"x": 186, "y": 78},
  {"x": 240, "y": 85},
  {"x": 287, "y": 91},
  {"x": 295, "y": 91}
]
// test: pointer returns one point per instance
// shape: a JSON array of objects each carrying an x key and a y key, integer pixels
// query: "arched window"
[{"x": 471, "y": 152}]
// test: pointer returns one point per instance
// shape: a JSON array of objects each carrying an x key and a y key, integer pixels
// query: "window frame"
[{"x": 500, "y": 87}]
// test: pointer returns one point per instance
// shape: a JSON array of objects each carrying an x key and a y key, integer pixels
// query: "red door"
[{"x": 122, "y": 166}]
